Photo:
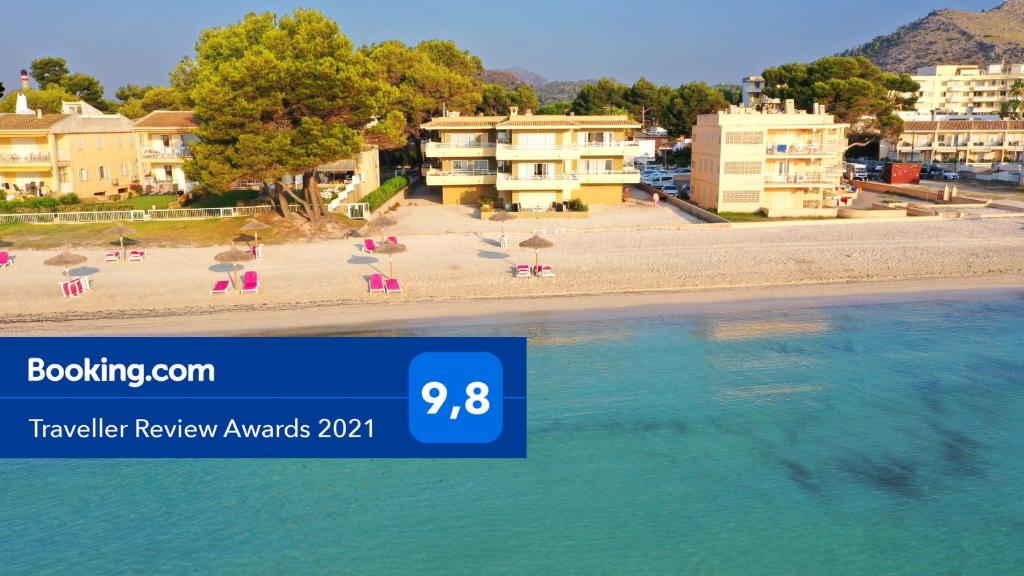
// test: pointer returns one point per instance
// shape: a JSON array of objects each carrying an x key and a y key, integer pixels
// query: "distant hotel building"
[
  {"x": 965, "y": 90},
  {"x": 982, "y": 143},
  {"x": 786, "y": 163},
  {"x": 531, "y": 160}
]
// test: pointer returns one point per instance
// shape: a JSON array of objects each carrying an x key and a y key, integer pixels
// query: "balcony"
[
  {"x": 18, "y": 159},
  {"x": 803, "y": 149},
  {"x": 803, "y": 179},
  {"x": 175, "y": 153},
  {"x": 555, "y": 181},
  {"x": 535, "y": 152},
  {"x": 625, "y": 176},
  {"x": 611, "y": 148},
  {"x": 454, "y": 150},
  {"x": 460, "y": 177}
]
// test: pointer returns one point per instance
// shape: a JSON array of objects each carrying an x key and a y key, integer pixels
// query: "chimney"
[
  {"x": 39, "y": 112},
  {"x": 513, "y": 110},
  {"x": 790, "y": 106},
  {"x": 572, "y": 113},
  {"x": 24, "y": 79},
  {"x": 529, "y": 112},
  {"x": 21, "y": 104}
]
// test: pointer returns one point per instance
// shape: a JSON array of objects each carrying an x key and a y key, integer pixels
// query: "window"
[
  {"x": 78, "y": 143},
  {"x": 83, "y": 175},
  {"x": 541, "y": 140},
  {"x": 168, "y": 172},
  {"x": 99, "y": 142},
  {"x": 536, "y": 171},
  {"x": 604, "y": 166},
  {"x": 470, "y": 166},
  {"x": 166, "y": 140},
  {"x": 467, "y": 139},
  {"x": 595, "y": 138},
  {"x": 102, "y": 170},
  {"x": 63, "y": 174},
  {"x": 124, "y": 169},
  {"x": 120, "y": 143}
]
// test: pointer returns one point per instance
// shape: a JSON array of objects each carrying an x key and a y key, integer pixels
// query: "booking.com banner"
[{"x": 262, "y": 397}]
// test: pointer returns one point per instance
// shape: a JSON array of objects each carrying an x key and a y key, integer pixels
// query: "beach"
[{"x": 463, "y": 273}]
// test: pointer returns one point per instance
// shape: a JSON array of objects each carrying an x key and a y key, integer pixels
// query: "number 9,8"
[{"x": 435, "y": 393}]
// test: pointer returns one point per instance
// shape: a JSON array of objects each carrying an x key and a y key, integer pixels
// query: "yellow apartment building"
[
  {"x": 961, "y": 143},
  {"x": 28, "y": 154},
  {"x": 785, "y": 163},
  {"x": 163, "y": 139},
  {"x": 969, "y": 89},
  {"x": 533, "y": 161}
]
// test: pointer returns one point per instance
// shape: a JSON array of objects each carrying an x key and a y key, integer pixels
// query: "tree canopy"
[
  {"x": 48, "y": 100},
  {"x": 675, "y": 109},
  {"x": 49, "y": 70},
  {"x": 52, "y": 71}
]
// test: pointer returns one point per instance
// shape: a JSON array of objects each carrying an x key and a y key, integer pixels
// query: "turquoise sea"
[{"x": 879, "y": 438}]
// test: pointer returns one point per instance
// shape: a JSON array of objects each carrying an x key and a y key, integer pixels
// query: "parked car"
[
  {"x": 662, "y": 181},
  {"x": 671, "y": 190},
  {"x": 685, "y": 170},
  {"x": 950, "y": 175}
]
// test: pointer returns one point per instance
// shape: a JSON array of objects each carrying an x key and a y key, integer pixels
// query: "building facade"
[
  {"x": 163, "y": 139},
  {"x": 530, "y": 160},
  {"x": 787, "y": 163},
  {"x": 954, "y": 89},
  {"x": 960, "y": 143}
]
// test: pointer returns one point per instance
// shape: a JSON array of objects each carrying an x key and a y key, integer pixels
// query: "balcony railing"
[
  {"x": 802, "y": 149},
  {"x": 534, "y": 177},
  {"x": 804, "y": 178},
  {"x": 436, "y": 172},
  {"x": 609, "y": 144},
  {"x": 179, "y": 152},
  {"x": 457, "y": 145},
  {"x": 531, "y": 147},
  {"x": 25, "y": 158}
]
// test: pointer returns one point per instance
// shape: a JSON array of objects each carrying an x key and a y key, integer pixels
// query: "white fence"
[{"x": 137, "y": 215}]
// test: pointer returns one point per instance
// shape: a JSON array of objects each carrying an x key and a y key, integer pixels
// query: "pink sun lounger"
[
  {"x": 544, "y": 271},
  {"x": 250, "y": 282},
  {"x": 393, "y": 239},
  {"x": 376, "y": 283},
  {"x": 112, "y": 256},
  {"x": 221, "y": 287},
  {"x": 523, "y": 271},
  {"x": 136, "y": 255},
  {"x": 5, "y": 259},
  {"x": 369, "y": 245},
  {"x": 392, "y": 285}
]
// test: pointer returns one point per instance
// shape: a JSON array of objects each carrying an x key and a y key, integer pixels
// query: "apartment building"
[
  {"x": 80, "y": 150},
  {"x": 971, "y": 89},
  {"x": 785, "y": 163},
  {"x": 533, "y": 161},
  {"x": 164, "y": 139},
  {"x": 963, "y": 143}
]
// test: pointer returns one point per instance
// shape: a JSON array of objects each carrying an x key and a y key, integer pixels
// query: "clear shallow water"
[{"x": 874, "y": 439}]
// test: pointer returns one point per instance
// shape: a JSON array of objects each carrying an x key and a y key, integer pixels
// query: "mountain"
[
  {"x": 547, "y": 92},
  {"x": 951, "y": 37},
  {"x": 531, "y": 78}
]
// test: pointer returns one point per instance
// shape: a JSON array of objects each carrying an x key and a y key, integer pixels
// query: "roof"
[
  {"x": 92, "y": 124},
  {"x": 932, "y": 126},
  {"x": 529, "y": 121},
  {"x": 28, "y": 121},
  {"x": 343, "y": 165},
  {"x": 168, "y": 119}
]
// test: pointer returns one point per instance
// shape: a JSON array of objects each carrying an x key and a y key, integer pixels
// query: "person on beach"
[{"x": 656, "y": 197}]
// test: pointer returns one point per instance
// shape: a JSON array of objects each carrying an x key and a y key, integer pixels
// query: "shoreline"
[{"x": 362, "y": 317}]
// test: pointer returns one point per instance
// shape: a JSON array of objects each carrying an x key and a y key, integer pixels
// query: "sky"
[{"x": 668, "y": 42}]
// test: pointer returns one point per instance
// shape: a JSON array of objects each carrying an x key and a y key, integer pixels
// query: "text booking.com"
[{"x": 135, "y": 375}]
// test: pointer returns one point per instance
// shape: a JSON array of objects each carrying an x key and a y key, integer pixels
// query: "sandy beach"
[{"x": 463, "y": 273}]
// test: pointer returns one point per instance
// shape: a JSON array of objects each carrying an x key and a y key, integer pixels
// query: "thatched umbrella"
[
  {"x": 390, "y": 249},
  {"x": 253, "y": 225},
  {"x": 536, "y": 242},
  {"x": 233, "y": 257},
  {"x": 121, "y": 231},
  {"x": 65, "y": 260},
  {"x": 502, "y": 217},
  {"x": 380, "y": 223}
]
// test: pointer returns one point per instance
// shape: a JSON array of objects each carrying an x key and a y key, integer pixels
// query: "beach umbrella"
[
  {"x": 502, "y": 217},
  {"x": 536, "y": 242},
  {"x": 380, "y": 223},
  {"x": 390, "y": 249},
  {"x": 253, "y": 225},
  {"x": 5, "y": 243},
  {"x": 65, "y": 260},
  {"x": 233, "y": 257},
  {"x": 121, "y": 231}
]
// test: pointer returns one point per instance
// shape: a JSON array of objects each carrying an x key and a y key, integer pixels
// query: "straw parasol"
[
  {"x": 380, "y": 223},
  {"x": 233, "y": 257},
  {"x": 65, "y": 260},
  {"x": 390, "y": 249},
  {"x": 121, "y": 231},
  {"x": 253, "y": 225},
  {"x": 536, "y": 242},
  {"x": 502, "y": 217}
]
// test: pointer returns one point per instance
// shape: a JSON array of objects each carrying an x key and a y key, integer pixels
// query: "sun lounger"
[
  {"x": 523, "y": 271},
  {"x": 393, "y": 239},
  {"x": 369, "y": 245},
  {"x": 112, "y": 256},
  {"x": 75, "y": 287},
  {"x": 136, "y": 255},
  {"x": 377, "y": 283},
  {"x": 250, "y": 282},
  {"x": 221, "y": 287},
  {"x": 5, "y": 259},
  {"x": 545, "y": 271},
  {"x": 392, "y": 285},
  {"x": 257, "y": 251},
  {"x": 65, "y": 289}
]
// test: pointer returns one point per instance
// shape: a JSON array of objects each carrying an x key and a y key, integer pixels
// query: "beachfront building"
[
  {"x": 965, "y": 89},
  {"x": 785, "y": 163},
  {"x": 531, "y": 161},
  {"x": 961, "y": 144},
  {"x": 163, "y": 138},
  {"x": 81, "y": 151}
]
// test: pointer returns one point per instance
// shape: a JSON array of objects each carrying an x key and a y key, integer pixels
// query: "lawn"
[
  {"x": 228, "y": 199},
  {"x": 158, "y": 201},
  {"x": 176, "y": 233},
  {"x": 744, "y": 217}
]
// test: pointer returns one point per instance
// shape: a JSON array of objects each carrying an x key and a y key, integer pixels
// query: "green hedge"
[
  {"x": 387, "y": 190},
  {"x": 38, "y": 204}
]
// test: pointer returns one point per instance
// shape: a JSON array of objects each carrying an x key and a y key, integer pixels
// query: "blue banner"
[{"x": 263, "y": 397}]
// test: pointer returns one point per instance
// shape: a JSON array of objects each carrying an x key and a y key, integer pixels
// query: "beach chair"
[
  {"x": 221, "y": 287},
  {"x": 250, "y": 282},
  {"x": 257, "y": 251},
  {"x": 112, "y": 256},
  {"x": 523, "y": 271},
  {"x": 369, "y": 246},
  {"x": 392, "y": 286},
  {"x": 65, "y": 289},
  {"x": 393, "y": 239},
  {"x": 545, "y": 271},
  {"x": 376, "y": 283},
  {"x": 136, "y": 255},
  {"x": 5, "y": 259}
]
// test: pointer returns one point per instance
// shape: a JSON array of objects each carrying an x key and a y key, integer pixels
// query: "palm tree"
[{"x": 1016, "y": 101}]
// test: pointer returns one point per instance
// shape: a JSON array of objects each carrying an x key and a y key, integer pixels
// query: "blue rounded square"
[{"x": 456, "y": 397}]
